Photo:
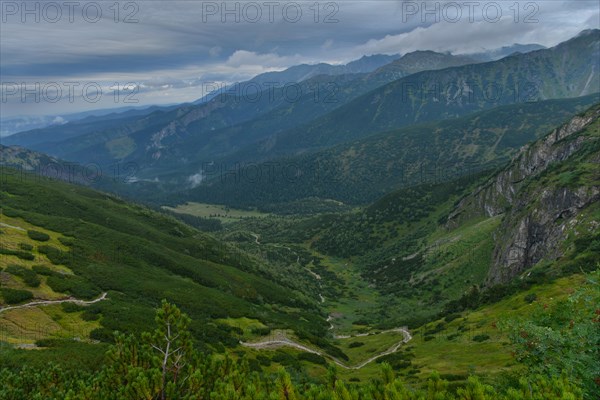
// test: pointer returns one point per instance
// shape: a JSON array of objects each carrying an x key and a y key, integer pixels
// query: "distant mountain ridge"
[
  {"x": 418, "y": 61},
  {"x": 302, "y": 72},
  {"x": 570, "y": 69},
  {"x": 224, "y": 124},
  {"x": 363, "y": 170},
  {"x": 505, "y": 51},
  {"x": 169, "y": 146}
]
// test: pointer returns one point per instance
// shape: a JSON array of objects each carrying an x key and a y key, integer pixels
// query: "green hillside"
[
  {"x": 564, "y": 71},
  {"x": 340, "y": 297},
  {"x": 420, "y": 251},
  {"x": 362, "y": 171},
  {"x": 99, "y": 243}
]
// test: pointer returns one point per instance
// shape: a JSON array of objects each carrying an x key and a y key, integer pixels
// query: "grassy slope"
[
  {"x": 139, "y": 257},
  {"x": 25, "y": 326},
  {"x": 449, "y": 263},
  {"x": 223, "y": 213}
]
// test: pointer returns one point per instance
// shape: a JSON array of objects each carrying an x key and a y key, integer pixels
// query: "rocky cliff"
[{"x": 541, "y": 192}]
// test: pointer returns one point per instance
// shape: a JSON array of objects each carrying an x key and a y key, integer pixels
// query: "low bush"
[
  {"x": 71, "y": 307},
  {"x": 25, "y": 246},
  {"x": 73, "y": 285},
  {"x": 23, "y": 255},
  {"x": 66, "y": 241},
  {"x": 261, "y": 331},
  {"x": 480, "y": 338},
  {"x": 55, "y": 255},
  {"x": 451, "y": 317},
  {"x": 530, "y": 298},
  {"x": 39, "y": 236},
  {"x": 29, "y": 277},
  {"x": 14, "y": 296},
  {"x": 89, "y": 315},
  {"x": 313, "y": 358},
  {"x": 43, "y": 270},
  {"x": 355, "y": 344}
]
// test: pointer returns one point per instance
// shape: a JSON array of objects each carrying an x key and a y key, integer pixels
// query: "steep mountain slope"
[
  {"x": 570, "y": 69},
  {"x": 455, "y": 244},
  {"x": 238, "y": 117},
  {"x": 543, "y": 194},
  {"x": 78, "y": 127},
  {"x": 88, "y": 243},
  {"x": 397, "y": 262},
  {"x": 362, "y": 171},
  {"x": 418, "y": 61},
  {"x": 506, "y": 51},
  {"x": 536, "y": 219},
  {"x": 19, "y": 162},
  {"x": 299, "y": 73}
]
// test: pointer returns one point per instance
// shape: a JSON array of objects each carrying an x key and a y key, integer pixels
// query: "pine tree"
[{"x": 173, "y": 343}]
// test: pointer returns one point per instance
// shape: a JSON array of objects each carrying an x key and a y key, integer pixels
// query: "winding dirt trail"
[
  {"x": 12, "y": 226},
  {"x": 286, "y": 342},
  {"x": 256, "y": 238},
  {"x": 48, "y": 302}
]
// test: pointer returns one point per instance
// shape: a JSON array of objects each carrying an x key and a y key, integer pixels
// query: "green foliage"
[
  {"x": 563, "y": 338},
  {"x": 37, "y": 235},
  {"x": 143, "y": 256},
  {"x": 55, "y": 255},
  {"x": 476, "y": 297},
  {"x": 23, "y": 255},
  {"x": 313, "y": 358},
  {"x": 71, "y": 307},
  {"x": 29, "y": 276},
  {"x": 481, "y": 338},
  {"x": 73, "y": 285},
  {"x": 355, "y": 344},
  {"x": 530, "y": 298},
  {"x": 164, "y": 365},
  {"x": 15, "y": 296},
  {"x": 43, "y": 270},
  {"x": 25, "y": 246},
  {"x": 359, "y": 170}
]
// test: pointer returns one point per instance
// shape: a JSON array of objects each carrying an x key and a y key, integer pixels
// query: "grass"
[
  {"x": 374, "y": 343},
  {"x": 15, "y": 234},
  {"x": 248, "y": 326},
  {"x": 120, "y": 147},
  {"x": 460, "y": 354},
  {"x": 223, "y": 213},
  {"x": 24, "y": 326},
  {"x": 461, "y": 258},
  {"x": 359, "y": 299},
  {"x": 140, "y": 256}
]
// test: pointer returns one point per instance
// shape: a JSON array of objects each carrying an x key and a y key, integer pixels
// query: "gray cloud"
[{"x": 176, "y": 47}]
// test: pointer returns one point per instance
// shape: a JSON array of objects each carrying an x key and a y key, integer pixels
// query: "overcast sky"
[{"x": 174, "y": 51}]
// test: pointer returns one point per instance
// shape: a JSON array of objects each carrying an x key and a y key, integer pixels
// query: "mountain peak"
[{"x": 587, "y": 32}]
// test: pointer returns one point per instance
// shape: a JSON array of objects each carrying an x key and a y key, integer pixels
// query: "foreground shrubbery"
[
  {"x": 14, "y": 296},
  {"x": 164, "y": 365}
]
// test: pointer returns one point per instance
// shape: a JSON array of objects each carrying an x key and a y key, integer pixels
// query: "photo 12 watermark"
[
  {"x": 84, "y": 174},
  {"x": 68, "y": 91},
  {"x": 526, "y": 12},
  {"x": 253, "y": 12},
  {"x": 273, "y": 91},
  {"x": 468, "y": 92},
  {"x": 52, "y": 12}
]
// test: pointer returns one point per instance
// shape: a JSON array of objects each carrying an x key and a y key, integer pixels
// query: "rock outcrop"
[{"x": 536, "y": 217}]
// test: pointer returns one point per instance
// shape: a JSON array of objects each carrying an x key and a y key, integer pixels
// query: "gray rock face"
[
  {"x": 528, "y": 236},
  {"x": 534, "y": 221}
]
